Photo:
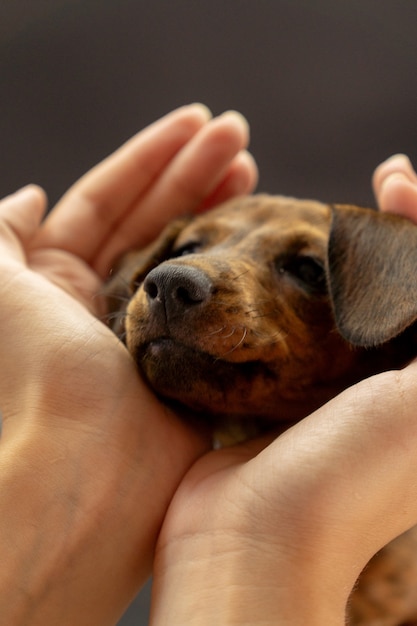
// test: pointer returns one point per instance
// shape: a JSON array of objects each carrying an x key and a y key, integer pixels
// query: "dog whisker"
[
  {"x": 216, "y": 332},
  {"x": 232, "y": 332},
  {"x": 244, "y": 334},
  {"x": 240, "y": 275},
  {"x": 239, "y": 343},
  {"x": 269, "y": 340},
  {"x": 261, "y": 315},
  {"x": 122, "y": 337},
  {"x": 120, "y": 297},
  {"x": 103, "y": 291},
  {"x": 256, "y": 314},
  {"x": 109, "y": 317},
  {"x": 278, "y": 337},
  {"x": 119, "y": 317}
]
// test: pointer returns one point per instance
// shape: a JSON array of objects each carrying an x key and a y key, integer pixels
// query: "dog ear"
[
  {"x": 133, "y": 267},
  {"x": 372, "y": 274}
]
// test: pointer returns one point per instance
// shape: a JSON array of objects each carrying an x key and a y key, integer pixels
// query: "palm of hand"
[
  {"x": 70, "y": 273},
  {"x": 214, "y": 489}
]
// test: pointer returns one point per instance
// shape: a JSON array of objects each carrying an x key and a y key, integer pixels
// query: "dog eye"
[
  {"x": 305, "y": 269},
  {"x": 188, "y": 248}
]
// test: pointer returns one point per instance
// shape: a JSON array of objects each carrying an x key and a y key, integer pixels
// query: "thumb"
[{"x": 20, "y": 216}]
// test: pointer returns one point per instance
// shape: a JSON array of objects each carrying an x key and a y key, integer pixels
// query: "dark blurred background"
[{"x": 329, "y": 87}]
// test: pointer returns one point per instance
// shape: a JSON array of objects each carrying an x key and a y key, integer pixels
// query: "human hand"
[
  {"x": 89, "y": 459},
  {"x": 278, "y": 533},
  {"x": 183, "y": 163}
]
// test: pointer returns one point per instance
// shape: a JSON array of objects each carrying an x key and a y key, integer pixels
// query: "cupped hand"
[
  {"x": 184, "y": 163},
  {"x": 251, "y": 530},
  {"x": 89, "y": 459},
  {"x": 277, "y": 532}
]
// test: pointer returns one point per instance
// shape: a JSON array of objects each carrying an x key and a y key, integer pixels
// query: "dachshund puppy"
[
  {"x": 257, "y": 309},
  {"x": 262, "y": 310}
]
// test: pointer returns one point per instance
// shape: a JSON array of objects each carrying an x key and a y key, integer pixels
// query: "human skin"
[
  {"x": 276, "y": 533},
  {"x": 395, "y": 186},
  {"x": 89, "y": 459}
]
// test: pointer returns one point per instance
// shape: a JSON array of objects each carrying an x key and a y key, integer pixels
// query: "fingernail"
[
  {"x": 202, "y": 109},
  {"x": 236, "y": 115},
  {"x": 399, "y": 157},
  {"x": 237, "y": 119}
]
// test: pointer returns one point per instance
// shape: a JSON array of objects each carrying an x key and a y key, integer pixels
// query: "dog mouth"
[
  {"x": 167, "y": 363},
  {"x": 196, "y": 379}
]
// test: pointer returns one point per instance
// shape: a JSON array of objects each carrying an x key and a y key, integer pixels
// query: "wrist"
[
  {"x": 82, "y": 482},
  {"x": 225, "y": 579}
]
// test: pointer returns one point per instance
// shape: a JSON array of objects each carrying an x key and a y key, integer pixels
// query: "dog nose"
[{"x": 177, "y": 288}]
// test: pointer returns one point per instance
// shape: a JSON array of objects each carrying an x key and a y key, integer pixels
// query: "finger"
[
  {"x": 87, "y": 214},
  {"x": 399, "y": 195},
  {"x": 136, "y": 165},
  {"x": 20, "y": 217},
  {"x": 394, "y": 164},
  {"x": 241, "y": 179},
  {"x": 397, "y": 164},
  {"x": 395, "y": 186},
  {"x": 188, "y": 180}
]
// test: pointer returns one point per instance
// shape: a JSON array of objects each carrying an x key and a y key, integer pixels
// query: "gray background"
[{"x": 329, "y": 87}]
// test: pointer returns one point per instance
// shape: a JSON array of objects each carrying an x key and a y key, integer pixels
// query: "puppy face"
[
  {"x": 230, "y": 313},
  {"x": 236, "y": 321}
]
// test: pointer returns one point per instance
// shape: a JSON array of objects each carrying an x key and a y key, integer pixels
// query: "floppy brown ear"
[
  {"x": 132, "y": 268},
  {"x": 372, "y": 274}
]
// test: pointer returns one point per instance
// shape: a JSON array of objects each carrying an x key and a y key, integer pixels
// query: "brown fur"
[{"x": 265, "y": 308}]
